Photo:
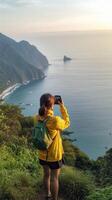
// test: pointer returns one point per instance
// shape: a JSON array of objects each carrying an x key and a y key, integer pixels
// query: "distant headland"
[{"x": 20, "y": 62}]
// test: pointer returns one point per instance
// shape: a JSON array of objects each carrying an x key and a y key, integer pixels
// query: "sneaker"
[{"x": 48, "y": 197}]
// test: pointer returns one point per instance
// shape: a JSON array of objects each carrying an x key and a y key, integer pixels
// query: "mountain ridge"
[{"x": 19, "y": 62}]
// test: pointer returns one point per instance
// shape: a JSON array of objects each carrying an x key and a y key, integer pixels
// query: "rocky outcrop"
[{"x": 65, "y": 58}]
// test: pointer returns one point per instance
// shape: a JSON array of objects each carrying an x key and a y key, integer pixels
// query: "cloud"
[
  {"x": 16, "y": 3},
  {"x": 51, "y": 15}
]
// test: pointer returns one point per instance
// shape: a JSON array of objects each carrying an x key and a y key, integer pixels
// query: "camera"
[{"x": 57, "y": 99}]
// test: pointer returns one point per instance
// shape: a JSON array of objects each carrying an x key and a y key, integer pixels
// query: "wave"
[{"x": 9, "y": 90}]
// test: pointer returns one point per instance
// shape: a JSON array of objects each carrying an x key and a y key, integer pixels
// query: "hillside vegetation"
[{"x": 21, "y": 174}]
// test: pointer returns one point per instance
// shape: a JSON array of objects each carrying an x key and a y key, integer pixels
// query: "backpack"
[{"x": 40, "y": 135}]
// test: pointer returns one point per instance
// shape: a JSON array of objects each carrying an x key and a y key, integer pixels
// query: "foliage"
[
  {"x": 75, "y": 184},
  {"x": 20, "y": 173},
  {"x": 75, "y": 157},
  {"x": 101, "y": 194},
  {"x": 27, "y": 124},
  {"x": 102, "y": 169},
  {"x": 17, "y": 185},
  {"x": 9, "y": 119}
]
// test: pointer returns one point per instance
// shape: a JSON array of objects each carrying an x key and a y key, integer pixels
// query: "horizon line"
[{"x": 80, "y": 30}]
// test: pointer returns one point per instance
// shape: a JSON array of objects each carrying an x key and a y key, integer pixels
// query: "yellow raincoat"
[{"x": 55, "y": 125}]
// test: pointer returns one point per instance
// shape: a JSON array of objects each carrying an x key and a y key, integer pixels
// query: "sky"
[{"x": 20, "y": 17}]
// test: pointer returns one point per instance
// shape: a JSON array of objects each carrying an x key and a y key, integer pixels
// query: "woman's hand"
[{"x": 60, "y": 103}]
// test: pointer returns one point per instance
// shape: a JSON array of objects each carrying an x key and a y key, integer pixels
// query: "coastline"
[
  {"x": 9, "y": 90},
  {"x": 12, "y": 88}
]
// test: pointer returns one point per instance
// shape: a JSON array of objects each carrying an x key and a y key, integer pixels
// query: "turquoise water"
[{"x": 85, "y": 84}]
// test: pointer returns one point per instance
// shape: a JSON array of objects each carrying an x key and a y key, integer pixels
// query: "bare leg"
[
  {"x": 46, "y": 180},
  {"x": 55, "y": 183}
]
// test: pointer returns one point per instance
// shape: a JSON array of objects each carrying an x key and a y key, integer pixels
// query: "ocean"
[{"x": 85, "y": 84}]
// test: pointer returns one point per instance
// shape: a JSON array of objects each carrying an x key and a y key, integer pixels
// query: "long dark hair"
[{"x": 46, "y": 102}]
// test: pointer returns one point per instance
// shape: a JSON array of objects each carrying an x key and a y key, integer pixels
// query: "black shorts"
[{"x": 53, "y": 165}]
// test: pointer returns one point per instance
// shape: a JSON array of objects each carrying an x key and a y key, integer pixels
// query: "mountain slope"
[
  {"x": 32, "y": 55},
  {"x": 17, "y": 63}
]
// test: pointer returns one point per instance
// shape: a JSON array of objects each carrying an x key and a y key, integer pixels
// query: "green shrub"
[
  {"x": 20, "y": 172},
  {"x": 102, "y": 169},
  {"x": 18, "y": 185},
  {"x": 74, "y": 184},
  {"x": 27, "y": 124},
  {"x": 19, "y": 157},
  {"x": 101, "y": 194},
  {"x": 10, "y": 116},
  {"x": 75, "y": 157}
]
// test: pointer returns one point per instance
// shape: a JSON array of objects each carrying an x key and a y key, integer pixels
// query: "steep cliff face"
[
  {"x": 32, "y": 55},
  {"x": 19, "y": 62}
]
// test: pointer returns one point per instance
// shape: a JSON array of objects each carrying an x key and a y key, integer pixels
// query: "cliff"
[{"x": 19, "y": 62}]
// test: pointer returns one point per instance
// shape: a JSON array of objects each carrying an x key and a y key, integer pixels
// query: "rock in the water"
[{"x": 65, "y": 58}]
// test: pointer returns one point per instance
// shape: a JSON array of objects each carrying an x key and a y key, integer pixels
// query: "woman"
[{"x": 52, "y": 160}]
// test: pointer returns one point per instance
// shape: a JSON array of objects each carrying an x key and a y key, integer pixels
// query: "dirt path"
[{"x": 41, "y": 197}]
